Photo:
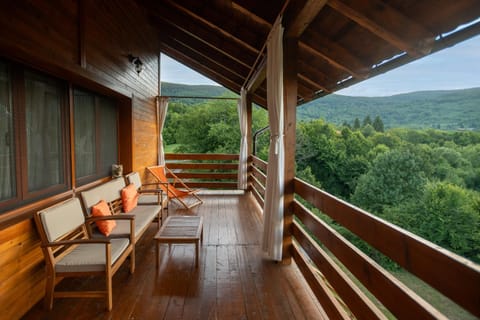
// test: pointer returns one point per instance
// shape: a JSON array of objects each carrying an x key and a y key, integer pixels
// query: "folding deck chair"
[{"x": 185, "y": 196}]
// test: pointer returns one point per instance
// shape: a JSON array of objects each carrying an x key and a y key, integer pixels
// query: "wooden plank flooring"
[{"x": 233, "y": 280}]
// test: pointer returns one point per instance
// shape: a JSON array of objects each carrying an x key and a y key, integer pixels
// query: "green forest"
[{"x": 424, "y": 180}]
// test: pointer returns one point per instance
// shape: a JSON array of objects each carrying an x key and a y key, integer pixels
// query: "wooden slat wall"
[{"x": 84, "y": 42}]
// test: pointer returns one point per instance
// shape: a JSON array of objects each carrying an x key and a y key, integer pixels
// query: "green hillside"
[
  {"x": 447, "y": 110},
  {"x": 183, "y": 90}
]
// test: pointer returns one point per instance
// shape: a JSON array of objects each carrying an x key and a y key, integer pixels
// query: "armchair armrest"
[
  {"x": 130, "y": 217},
  {"x": 77, "y": 241}
]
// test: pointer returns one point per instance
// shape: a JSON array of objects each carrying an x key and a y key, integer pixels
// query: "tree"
[
  {"x": 356, "y": 124},
  {"x": 378, "y": 124},
  {"x": 395, "y": 176},
  {"x": 447, "y": 215},
  {"x": 367, "y": 121}
]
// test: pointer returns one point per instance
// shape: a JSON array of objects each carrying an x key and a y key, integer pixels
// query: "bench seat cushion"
[
  {"x": 144, "y": 215},
  {"x": 90, "y": 257}
]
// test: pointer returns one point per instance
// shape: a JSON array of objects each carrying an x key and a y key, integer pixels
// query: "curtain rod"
[{"x": 196, "y": 97}]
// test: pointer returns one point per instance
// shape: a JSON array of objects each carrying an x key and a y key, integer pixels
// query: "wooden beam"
[
  {"x": 221, "y": 66},
  {"x": 219, "y": 28},
  {"x": 258, "y": 76},
  {"x": 202, "y": 69},
  {"x": 387, "y": 23},
  {"x": 290, "y": 89},
  {"x": 335, "y": 54},
  {"x": 304, "y": 17},
  {"x": 439, "y": 44},
  {"x": 236, "y": 65},
  {"x": 203, "y": 34}
]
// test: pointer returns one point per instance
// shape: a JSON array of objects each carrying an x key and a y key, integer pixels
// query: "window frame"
[
  {"x": 22, "y": 195},
  {"x": 81, "y": 181}
]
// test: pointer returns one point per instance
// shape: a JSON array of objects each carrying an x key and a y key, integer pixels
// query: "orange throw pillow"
[
  {"x": 129, "y": 197},
  {"x": 101, "y": 209}
]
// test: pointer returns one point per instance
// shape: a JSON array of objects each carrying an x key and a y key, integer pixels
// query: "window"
[
  {"x": 44, "y": 135},
  {"x": 96, "y": 146},
  {"x": 33, "y": 144},
  {"x": 7, "y": 145}
]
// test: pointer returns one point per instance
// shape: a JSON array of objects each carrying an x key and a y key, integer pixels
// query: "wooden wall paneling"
[
  {"x": 125, "y": 134},
  {"x": 87, "y": 50},
  {"x": 145, "y": 145},
  {"x": 22, "y": 276}
]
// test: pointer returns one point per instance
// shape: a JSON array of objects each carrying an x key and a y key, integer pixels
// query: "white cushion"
[{"x": 91, "y": 257}]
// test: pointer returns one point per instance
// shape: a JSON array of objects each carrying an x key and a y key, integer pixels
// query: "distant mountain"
[{"x": 447, "y": 110}]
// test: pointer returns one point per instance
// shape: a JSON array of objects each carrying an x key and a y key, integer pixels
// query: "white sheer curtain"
[
  {"x": 273, "y": 209},
  {"x": 162, "y": 114},
  {"x": 243, "y": 157}
]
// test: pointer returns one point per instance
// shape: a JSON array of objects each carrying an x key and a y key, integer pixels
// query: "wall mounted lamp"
[{"x": 139, "y": 66}]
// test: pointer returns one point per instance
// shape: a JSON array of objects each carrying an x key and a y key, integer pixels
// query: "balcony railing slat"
[
  {"x": 260, "y": 163},
  {"x": 207, "y": 175},
  {"x": 426, "y": 260},
  {"x": 400, "y": 300},
  {"x": 358, "y": 303},
  {"x": 201, "y": 156},
  {"x": 326, "y": 297},
  {"x": 202, "y": 166}
]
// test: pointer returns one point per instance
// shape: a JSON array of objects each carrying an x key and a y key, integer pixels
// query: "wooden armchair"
[
  {"x": 149, "y": 193},
  {"x": 70, "y": 252}
]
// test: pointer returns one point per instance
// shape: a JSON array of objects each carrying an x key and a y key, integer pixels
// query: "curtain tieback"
[{"x": 275, "y": 138}]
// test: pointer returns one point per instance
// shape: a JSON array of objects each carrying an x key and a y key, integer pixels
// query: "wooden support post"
[
  {"x": 249, "y": 138},
  {"x": 290, "y": 51}
]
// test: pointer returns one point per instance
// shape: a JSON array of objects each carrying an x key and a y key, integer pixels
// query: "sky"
[{"x": 457, "y": 67}]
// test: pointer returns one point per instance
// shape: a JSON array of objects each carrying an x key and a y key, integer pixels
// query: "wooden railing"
[
  {"x": 209, "y": 171},
  {"x": 341, "y": 276},
  {"x": 453, "y": 276},
  {"x": 258, "y": 178}
]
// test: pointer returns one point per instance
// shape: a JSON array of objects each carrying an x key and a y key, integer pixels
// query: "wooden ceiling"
[{"x": 341, "y": 42}]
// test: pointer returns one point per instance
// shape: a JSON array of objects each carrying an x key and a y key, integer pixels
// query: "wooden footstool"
[{"x": 180, "y": 229}]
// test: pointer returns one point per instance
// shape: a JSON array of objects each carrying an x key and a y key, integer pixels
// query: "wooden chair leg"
[
  {"x": 132, "y": 260},
  {"x": 49, "y": 288},
  {"x": 109, "y": 302}
]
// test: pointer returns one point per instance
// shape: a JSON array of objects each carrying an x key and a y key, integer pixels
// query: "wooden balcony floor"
[{"x": 233, "y": 281}]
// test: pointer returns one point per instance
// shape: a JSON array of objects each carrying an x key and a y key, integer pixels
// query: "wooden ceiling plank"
[
  {"x": 259, "y": 20},
  {"x": 334, "y": 61},
  {"x": 302, "y": 19},
  {"x": 387, "y": 23},
  {"x": 212, "y": 25},
  {"x": 205, "y": 61},
  {"x": 313, "y": 84},
  {"x": 188, "y": 61},
  {"x": 204, "y": 34},
  {"x": 217, "y": 57}
]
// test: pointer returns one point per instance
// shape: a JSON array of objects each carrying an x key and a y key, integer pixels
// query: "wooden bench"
[
  {"x": 180, "y": 229},
  {"x": 111, "y": 193}
]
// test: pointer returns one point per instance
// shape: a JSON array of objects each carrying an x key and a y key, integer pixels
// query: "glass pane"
[
  {"x": 7, "y": 146},
  {"x": 43, "y": 102},
  {"x": 108, "y": 135},
  {"x": 84, "y": 122}
]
